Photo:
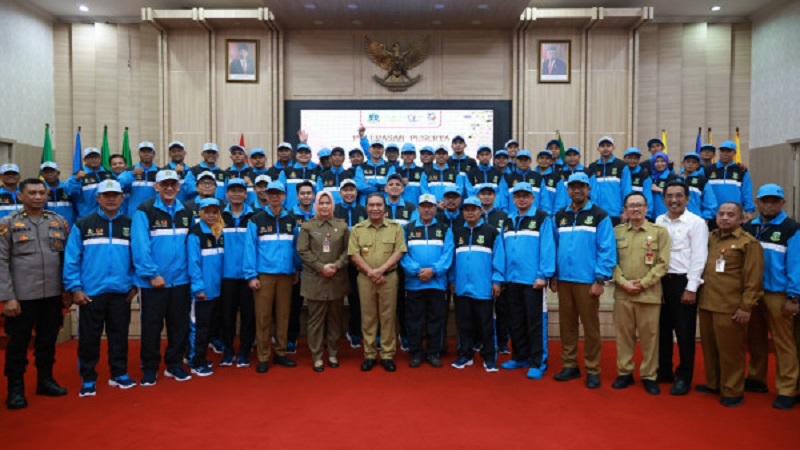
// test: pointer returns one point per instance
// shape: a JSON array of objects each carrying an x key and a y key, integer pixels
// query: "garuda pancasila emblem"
[{"x": 397, "y": 62}]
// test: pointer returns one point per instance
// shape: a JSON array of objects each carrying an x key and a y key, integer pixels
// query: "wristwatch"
[{"x": 600, "y": 280}]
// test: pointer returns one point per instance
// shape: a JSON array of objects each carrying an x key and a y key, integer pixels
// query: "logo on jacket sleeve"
[
  {"x": 532, "y": 224},
  {"x": 126, "y": 231},
  {"x": 694, "y": 180},
  {"x": 438, "y": 233},
  {"x": 735, "y": 176},
  {"x": 480, "y": 239},
  {"x": 589, "y": 220},
  {"x": 289, "y": 227},
  {"x": 563, "y": 222},
  {"x": 186, "y": 221},
  {"x": 776, "y": 236}
]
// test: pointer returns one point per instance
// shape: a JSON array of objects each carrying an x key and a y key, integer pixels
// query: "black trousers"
[
  {"x": 469, "y": 312},
  {"x": 171, "y": 305},
  {"x": 502, "y": 319},
  {"x": 294, "y": 314},
  {"x": 216, "y": 322},
  {"x": 43, "y": 315},
  {"x": 525, "y": 307},
  {"x": 682, "y": 319},
  {"x": 401, "y": 302},
  {"x": 354, "y": 302},
  {"x": 425, "y": 315},
  {"x": 113, "y": 312},
  {"x": 200, "y": 330},
  {"x": 237, "y": 297}
]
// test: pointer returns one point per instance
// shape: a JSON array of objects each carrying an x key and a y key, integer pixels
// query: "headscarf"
[
  {"x": 216, "y": 227},
  {"x": 320, "y": 194},
  {"x": 656, "y": 173}
]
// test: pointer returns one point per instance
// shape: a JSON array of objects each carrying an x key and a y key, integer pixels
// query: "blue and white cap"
[
  {"x": 164, "y": 175},
  {"x": 236, "y": 182},
  {"x": 452, "y": 190},
  {"x": 109, "y": 186},
  {"x": 392, "y": 145},
  {"x": 632, "y": 151},
  {"x": 237, "y": 147},
  {"x": 276, "y": 186},
  {"x": 285, "y": 145},
  {"x": 303, "y": 146},
  {"x": 473, "y": 201},
  {"x": 206, "y": 174},
  {"x": 210, "y": 147},
  {"x": 347, "y": 182},
  {"x": 770, "y": 190},
  {"x": 524, "y": 154},
  {"x": 324, "y": 152},
  {"x": 257, "y": 151},
  {"x": 90, "y": 151},
  {"x": 9, "y": 167},
  {"x": 522, "y": 187},
  {"x": 206, "y": 202},
  {"x": 427, "y": 198},
  {"x": 263, "y": 179},
  {"x": 410, "y": 148},
  {"x": 48, "y": 165},
  {"x": 578, "y": 177},
  {"x": 147, "y": 145},
  {"x": 176, "y": 144}
]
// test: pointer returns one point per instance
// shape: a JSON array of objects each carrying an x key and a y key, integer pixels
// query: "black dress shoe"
[
  {"x": 16, "y": 395},
  {"x": 415, "y": 362},
  {"x": 731, "y": 402},
  {"x": 706, "y": 390},
  {"x": 592, "y": 381},
  {"x": 50, "y": 388},
  {"x": 388, "y": 365},
  {"x": 651, "y": 387},
  {"x": 368, "y": 364},
  {"x": 681, "y": 387},
  {"x": 755, "y": 386},
  {"x": 262, "y": 367},
  {"x": 568, "y": 373},
  {"x": 784, "y": 402},
  {"x": 622, "y": 382},
  {"x": 435, "y": 361},
  {"x": 284, "y": 361},
  {"x": 333, "y": 364},
  {"x": 319, "y": 368}
]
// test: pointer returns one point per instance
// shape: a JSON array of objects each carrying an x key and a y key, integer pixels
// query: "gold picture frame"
[
  {"x": 555, "y": 61},
  {"x": 241, "y": 60}
]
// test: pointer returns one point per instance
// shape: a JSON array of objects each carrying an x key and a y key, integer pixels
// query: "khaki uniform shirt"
[
  {"x": 377, "y": 244},
  {"x": 31, "y": 255},
  {"x": 741, "y": 285},
  {"x": 311, "y": 248},
  {"x": 642, "y": 254}
]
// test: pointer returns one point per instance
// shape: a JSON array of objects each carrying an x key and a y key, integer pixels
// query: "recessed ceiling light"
[
  {"x": 310, "y": 6},
  {"x": 352, "y": 6},
  {"x": 318, "y": 22},
  {"x": 715, "y": 8},
  {"x": 476, "y": 22},
  {"x": 439, "y": 6},
  {"x": 437, "y": 22},
  {"x": 357, "y": 22},
  {"x": 83, "y": 8},
  {"x": 483, "y": 6}
]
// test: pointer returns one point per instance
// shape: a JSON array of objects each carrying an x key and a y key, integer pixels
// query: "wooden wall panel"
[
  {"x": 607, "y": 101},
  {"x": 147, "y": 84},
  {"x": 106, "y": 84},
  {"x": 670, "y": 65},
  {"x": 64, "y": 136},
  {"x": 646, "y": 85},
  {"x": 740, "y": 87},
  {"x": 83, "y": 84},
  {"x": 693, "y": 91},
  {"x": 718, "y": 81},
  {"x": 476, "y": 67},
  {"x": 189, "y": 90},
  {"x": 322, "y": 65}
]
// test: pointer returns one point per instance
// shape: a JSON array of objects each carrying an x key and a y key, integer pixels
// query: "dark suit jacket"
[
  {"x": 560, "y": 67},
  {"x": 236, "y": 67}
]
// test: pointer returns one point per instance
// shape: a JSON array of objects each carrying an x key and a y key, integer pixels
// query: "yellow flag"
[
  {"x": 664, "y": 139},
  {"x": 737, "y": 157}
]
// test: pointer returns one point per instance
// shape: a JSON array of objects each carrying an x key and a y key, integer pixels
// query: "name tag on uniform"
[
  {"x": 326, "y": 244},
  {"x": 649, "y": 258},
  {"x": 721, "y": 264}
]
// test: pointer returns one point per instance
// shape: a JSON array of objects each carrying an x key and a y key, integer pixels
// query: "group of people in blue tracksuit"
[{"x": 494, "y": 232}]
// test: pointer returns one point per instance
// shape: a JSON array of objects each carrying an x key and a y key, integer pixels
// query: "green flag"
[
  {"x": 105, "y": 152},
  {"x": 561, "y": 153},
  {"x": 47, "y": 150},
  {"x": 126, "y": 149}
]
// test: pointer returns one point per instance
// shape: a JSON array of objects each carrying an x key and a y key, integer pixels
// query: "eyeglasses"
[
  {"x": 677, "y": 196},
  {"x": 635, "y": 206}
]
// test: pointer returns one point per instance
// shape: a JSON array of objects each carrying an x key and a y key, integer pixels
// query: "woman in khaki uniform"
[{"x": 322, "y": 245}]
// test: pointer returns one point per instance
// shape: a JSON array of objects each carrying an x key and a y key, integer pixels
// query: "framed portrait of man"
[
  {"x": 242, "y": 60},
  {"x": 555, "y": 61}
]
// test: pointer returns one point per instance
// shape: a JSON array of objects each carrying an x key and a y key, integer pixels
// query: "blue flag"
[
  {"x": 77, "y": 160},
  {"x": 699, "y": 142}
]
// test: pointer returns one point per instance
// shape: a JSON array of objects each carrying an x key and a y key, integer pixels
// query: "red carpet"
[{"x": 413, "y": 408}]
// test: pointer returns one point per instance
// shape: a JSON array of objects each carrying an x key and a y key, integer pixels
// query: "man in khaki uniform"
[
  {"x": 376, "y": 246},
  {"x": 642, "y": 259},
  {"x": 32, "y": 244},
  {"x": 733, "y": 285}
]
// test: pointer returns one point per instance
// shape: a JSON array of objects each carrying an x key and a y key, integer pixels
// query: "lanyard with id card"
[
  {"x": 326, "y": 243},
  {"x": 721, "y": 261},
  {"x": 649, "y": 255}
]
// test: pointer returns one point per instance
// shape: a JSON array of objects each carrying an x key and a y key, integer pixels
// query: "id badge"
[
  {"x": 721, "y": 264},
  {"x": 326, "y": 246},
  {"x": 649, "y": 258}
]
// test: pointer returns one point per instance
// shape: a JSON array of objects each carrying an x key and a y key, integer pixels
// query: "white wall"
[
  {"x": 775, "y": 92},
  {"x": 26, "y": 73}
]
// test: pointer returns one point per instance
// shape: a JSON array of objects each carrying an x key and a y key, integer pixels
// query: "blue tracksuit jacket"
[
  {"x": 429, "y": 246},
  {"x": 587, "y": 247}
]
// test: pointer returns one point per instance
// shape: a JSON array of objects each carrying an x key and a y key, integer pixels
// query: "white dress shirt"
[{"x": 689, "y": 235}]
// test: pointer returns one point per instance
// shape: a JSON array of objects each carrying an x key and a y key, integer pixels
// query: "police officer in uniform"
[{"x": 31, "y": 257}]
